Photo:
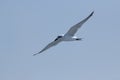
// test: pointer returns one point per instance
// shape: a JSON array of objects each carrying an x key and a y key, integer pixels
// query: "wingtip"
[
  {"x": 92, "y": 13},
  {"x": 36, "y": 54}
]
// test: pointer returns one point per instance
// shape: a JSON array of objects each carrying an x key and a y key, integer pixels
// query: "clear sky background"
[{"x": 27, "y": 26}]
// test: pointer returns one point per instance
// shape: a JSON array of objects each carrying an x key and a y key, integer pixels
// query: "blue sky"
[{"x": 26, "y": 26}]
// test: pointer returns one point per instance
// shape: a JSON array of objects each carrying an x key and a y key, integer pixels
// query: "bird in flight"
[{"x": 69, "y": 36}]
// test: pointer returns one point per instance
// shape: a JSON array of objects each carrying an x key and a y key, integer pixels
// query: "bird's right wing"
[
  {"x": 75, "y": 28},
  {"x": 49, "y": 45}
]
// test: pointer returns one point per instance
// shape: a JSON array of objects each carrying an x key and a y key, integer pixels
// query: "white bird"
[{"x": 69, "y": 36}]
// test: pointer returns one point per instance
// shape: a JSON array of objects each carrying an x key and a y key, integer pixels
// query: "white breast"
[{"x": 69, "y": 38}]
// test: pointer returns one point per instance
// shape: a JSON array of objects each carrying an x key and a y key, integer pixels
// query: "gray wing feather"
[
  {"x": 48, "y": 46},
  {"x": 74, "y": 28}
]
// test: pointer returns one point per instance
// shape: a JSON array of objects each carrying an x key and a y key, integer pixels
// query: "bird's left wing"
[
  {"x": 74, "y": 28},
  {"x": 55, "y": 42}
]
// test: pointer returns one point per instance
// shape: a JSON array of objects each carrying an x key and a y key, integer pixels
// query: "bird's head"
[{"x": 60, "y": 36}]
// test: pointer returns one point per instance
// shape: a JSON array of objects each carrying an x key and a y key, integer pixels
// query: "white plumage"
[{"x": 69, "y": 36}]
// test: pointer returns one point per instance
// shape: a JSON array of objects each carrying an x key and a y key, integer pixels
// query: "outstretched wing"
[
  {"x": 55, "y": 42},
  {"x": 74, "y": 28}
]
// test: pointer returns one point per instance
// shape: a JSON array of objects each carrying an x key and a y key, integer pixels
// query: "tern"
[{"x": 69, "y": 36}]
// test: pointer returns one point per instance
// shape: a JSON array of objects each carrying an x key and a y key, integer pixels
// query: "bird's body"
[{"x": 69, "y": 36}]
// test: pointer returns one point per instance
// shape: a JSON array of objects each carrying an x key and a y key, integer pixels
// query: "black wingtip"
[
  {"x": 35, "y": 54},
  {"x": 92, "y": 13}
]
